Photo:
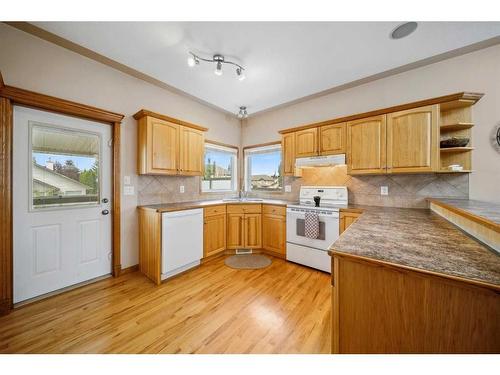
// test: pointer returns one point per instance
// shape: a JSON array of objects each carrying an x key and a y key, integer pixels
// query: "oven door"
[{"x": 328, "y": 229}]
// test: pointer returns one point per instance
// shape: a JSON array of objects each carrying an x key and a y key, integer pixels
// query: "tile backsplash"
[
  {"x": 166, "y": 189},
  {"x": 404, "y": 190}
]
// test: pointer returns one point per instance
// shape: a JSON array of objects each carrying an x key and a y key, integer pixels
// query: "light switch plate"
[
  {"x": 128, "y": 190},
  {"x": 126, "y": 180},
  {"x": 181, "y": 189},
  {"x": 384, "y": 190},
  {"x": 288, "y": 188}
]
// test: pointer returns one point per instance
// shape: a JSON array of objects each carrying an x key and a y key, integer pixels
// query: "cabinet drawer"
[
  {"x": 244, "y": 208},
  {"x": 214, "y": 210},
  {"x": 274, "y": 210}
]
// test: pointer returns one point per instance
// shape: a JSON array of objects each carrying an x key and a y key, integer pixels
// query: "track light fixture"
[
  {"x": 243, "y": 112},
  {"x": 219, "y": 60}
]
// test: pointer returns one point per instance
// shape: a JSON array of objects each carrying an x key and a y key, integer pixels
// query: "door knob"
[{"x": 105, "y": 212}]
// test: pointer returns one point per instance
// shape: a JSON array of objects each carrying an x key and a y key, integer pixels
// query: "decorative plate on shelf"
[
  {"x": 495, "y": 138},
  {"x": 454, "y": 142}
]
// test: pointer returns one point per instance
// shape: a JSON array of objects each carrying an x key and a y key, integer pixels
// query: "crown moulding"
[
  {"x": 144, "y": 112},
  {"x": 461, "y": 99}
]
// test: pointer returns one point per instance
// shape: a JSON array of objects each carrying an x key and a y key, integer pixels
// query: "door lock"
[{"x": 105, "y": 200}]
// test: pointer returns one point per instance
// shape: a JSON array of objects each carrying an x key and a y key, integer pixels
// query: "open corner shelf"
[
  {"x": 456, "y": 127},
  {"x": 456, "y": 149}
]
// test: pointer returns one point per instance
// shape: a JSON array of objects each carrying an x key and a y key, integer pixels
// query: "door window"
[{"x": 65, "y": 167}]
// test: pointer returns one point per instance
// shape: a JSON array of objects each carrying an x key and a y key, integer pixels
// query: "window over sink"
[
  {"x": 263, "y": 171},
  {"x": 221, "y": 169}
]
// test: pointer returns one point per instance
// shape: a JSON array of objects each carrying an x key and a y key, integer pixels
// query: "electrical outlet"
[
  {"x": 128, "y": 190},
  {"x": 126, "y": 180},
  {"x": 181, "y": 189},
  {"x": 384, "y": 190},
  {"x": 288, "y": 188}
]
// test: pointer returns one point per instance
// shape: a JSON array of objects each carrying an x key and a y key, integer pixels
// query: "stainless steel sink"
[{"x": 242, "y": 200}]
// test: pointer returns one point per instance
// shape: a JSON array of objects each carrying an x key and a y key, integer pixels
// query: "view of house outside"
[
  {"x": 264, "y": 170},
  {"x": 64, "y": 179}
]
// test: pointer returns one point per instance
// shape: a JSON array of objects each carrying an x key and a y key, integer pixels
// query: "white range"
[{"x": 307, "y": 251}]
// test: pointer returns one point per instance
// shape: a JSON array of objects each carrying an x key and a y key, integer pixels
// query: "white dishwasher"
[{"x": 181, "y": 241}]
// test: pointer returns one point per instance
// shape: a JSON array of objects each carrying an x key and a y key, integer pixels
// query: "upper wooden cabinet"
[
  {"x": 366, "y": 145},
  {"x": 412, "y": 140},
  {"x": 288, "y": 152},
  {"x": 306, "y": 143},
  {"x": 332, "y": 139},
  {"x": 167, "y": 146},
  {"x": 191, "y": 151}
]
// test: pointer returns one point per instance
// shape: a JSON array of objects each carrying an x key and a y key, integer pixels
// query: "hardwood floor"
[{"x": 284, "y": 308}]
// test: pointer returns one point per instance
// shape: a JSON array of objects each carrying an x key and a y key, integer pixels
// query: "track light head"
[
  {"x": 218, "y": 69},
  {"x": 240, "y": 74},
  {"x": 242, "y": 112}
]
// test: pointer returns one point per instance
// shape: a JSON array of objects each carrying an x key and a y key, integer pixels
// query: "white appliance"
[
  {"x": 308, "y": 251},
  {"x": 182, "y": 241},
  {"x": 320, "y": 161}
]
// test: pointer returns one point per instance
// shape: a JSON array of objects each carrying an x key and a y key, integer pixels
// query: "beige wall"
[
  {"x": 33, "y": 64},
  {"x": 478, "y": 71}
]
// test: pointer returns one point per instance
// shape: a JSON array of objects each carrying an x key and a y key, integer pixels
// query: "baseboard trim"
[
  {"x": 130, "y": 269},
  {"x": 5, "y": 306}
]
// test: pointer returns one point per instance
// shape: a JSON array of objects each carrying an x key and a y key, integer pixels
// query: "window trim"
[
  {"x": 228, "y": 148},
  {"x": 256, "y": 149}
]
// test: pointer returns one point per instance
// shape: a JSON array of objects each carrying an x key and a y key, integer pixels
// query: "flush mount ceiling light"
[
  {"x": 403, "y": 30},
  {"x": 218, "y": 60},
  {"x": 243, "y": 112}
]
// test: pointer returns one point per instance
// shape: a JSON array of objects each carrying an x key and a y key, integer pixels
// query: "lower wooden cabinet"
[
  {"x": 214, "y": 235},
  {"x": 346, "y": 219},
  {"x": 252, "y": 226},
  {"x": 274, "y": 233},
  {"x": 235, "y": 231}
]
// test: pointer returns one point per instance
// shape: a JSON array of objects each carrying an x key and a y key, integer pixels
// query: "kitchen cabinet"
[
  {"x": 306, "y": 143},
  {"x": 214, "y": 230},
  {"x": 366, "y": 145},
  {"x": 346, "y": 219},
  {"x": 167, "y": 146},
  {"x": 244, "y": 226},
  {"x": 332, "y": 139},
  {"x": 274, "y": 229},
  {"x": 381, "y": 308},
  {"x": 288, "y": 152},
  {"x": 191, "y": 152},
  {"x": 253, "y": 231},
  {"x": 413, "y": 140}
]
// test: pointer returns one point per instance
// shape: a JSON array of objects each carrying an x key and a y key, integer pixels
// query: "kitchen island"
[{"x": 409, "y": 281}]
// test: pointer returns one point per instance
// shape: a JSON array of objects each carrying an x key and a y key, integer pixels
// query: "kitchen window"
[
  {"x": 263, "y": 168},
  {"x": 221, "y": 169}
]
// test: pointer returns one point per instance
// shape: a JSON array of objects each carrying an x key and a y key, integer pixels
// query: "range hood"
[{"x": 320, "y": 161}]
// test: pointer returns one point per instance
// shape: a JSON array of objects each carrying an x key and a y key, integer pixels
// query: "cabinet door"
[
  {"x": 346, "y": 219},
  {"x": 253, "y": 231},
  {"x": 412, "y": 140},
  {"x": 235, "y": 231},
  {"x": 162, "y": 147},
  {"x": 366, "y": 145},
  {"x": 288, "y": 145},
  {"x": 274, "y": 233},
  {"x": 332, "y": 139},
  {"x": 191, "y": 152},
  {"x": 306, "y": 143},
  {"x": 214, "y": 235}
]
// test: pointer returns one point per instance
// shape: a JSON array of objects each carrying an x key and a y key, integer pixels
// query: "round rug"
[{"x": 248, "y": 261}]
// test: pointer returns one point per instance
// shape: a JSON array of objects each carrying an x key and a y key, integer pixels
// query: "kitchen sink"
[{"x": 242, "y": 200}]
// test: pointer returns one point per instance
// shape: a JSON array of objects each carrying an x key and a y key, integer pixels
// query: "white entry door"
[{"x": 61, "y": 201}]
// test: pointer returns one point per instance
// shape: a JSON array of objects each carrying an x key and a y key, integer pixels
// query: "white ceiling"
[{"x": 285, "y": 61}]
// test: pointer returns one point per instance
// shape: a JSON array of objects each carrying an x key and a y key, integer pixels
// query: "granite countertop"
[
  {"x": 420, "y": 239},
  {"x": 484, "y": 210},
  {"x": 179, "y": 206}
]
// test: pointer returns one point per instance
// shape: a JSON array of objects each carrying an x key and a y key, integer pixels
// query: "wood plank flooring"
[{"x": 284, "y": 308}]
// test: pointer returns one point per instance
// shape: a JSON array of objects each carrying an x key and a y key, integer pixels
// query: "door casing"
[{"x": 10, "y": 96}]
